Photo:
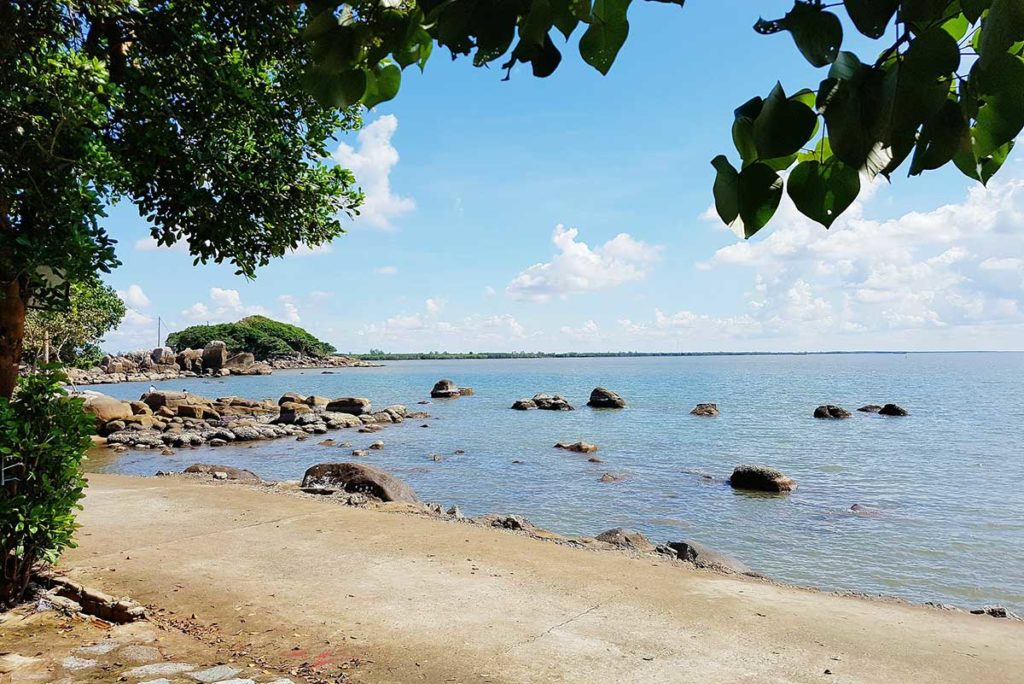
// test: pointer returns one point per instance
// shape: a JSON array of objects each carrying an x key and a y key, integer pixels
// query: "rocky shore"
[{"x": 214, "y": 360}]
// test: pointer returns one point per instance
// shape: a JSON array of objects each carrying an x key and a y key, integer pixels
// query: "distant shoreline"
[{"x": 442, "y": 356}]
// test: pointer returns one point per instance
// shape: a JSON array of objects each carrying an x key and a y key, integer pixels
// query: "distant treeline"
[{"x": 376, "y": 355}]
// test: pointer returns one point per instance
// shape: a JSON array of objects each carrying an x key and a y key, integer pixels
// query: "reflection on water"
[{"x": 942, "y": 485}]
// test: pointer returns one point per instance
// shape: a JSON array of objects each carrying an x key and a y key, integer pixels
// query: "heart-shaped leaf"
[{"x": 822, "y": 191}]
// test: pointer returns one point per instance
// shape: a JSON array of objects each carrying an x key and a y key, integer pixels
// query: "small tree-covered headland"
[{"x": 262, "y": 337}]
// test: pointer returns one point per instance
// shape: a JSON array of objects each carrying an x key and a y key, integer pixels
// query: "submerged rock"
[
  {"x": 870, "y": 408},
  {"x": 578, "y": 447},
  {"x": 703, "y": 557},
  {"x": 831, "y": 411},
  {"x": 626, "y": 538},
  {"x": 605, "y": 398},
  {"x": 760, "y": 478},
  {"x": 613, "y": 477},
  {"x": 524, "y": 405},
  {"x": 445, "y": 389},
  {"x": 709, "y": 410},
  {"x": 327, "y": 478},
  {"x": 892, "y": 410}
]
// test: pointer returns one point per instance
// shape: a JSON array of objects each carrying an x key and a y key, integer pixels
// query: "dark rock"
[
  {"x": 594, "y": 459},
  {"x": 445, "y": 389},
  {"x": 613, "y": 477},
  {"x": 552, "y": 402},
  {"x": 630, "y": 539},
  {"x": 870, "y": 408},
  {"x": 231, "y": 473},
  {"x": 892, "y": 410},
  {"x": 356, "y": 478},
  {"x": 709, "y": 410},
  {"x": 290, "y": 412},
  {"x": 831, "y": 411},
  {"x": 578, "y": 447},
  {"x": 994, "y": 611},
  {"x": 291, "y": 397},
  {"x": 507, "y": 522},
  {"x": 215, "y": 355},
  {"x": 703, "y": 557},
  {"x": 605, "y": 398},
  {"x": 355, "y": 406},
  {"x": 524, "y": 405},
  {"x": 760, "y": 478}
]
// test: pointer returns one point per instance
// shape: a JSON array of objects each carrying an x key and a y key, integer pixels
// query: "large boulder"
[
  {"x": 355, "y": 406},
  {"x": 190, "y": 360},
  {"x": 703, "y": 557},
  {"x": 215, "y": 355},
  {"x": 163, "y": 356},
  {"x": 292, "y": 397},
  {"x": 578, "y": 447},
  {"x": 870, "y": 408},
  {"x": 240, "y": 360},
  {"x": 708, "y": 410},
  {"x": 524, "y": 405},
  {"x": 892, "y": 410},
  {"x": 291, "y": 410},
  {"x": 760, "y": 478},
  {"x": 552, "y": 402},
  {"x": 445, "y": 389},
  {"x": 605, "y": 398},
  {"x": 327, "y": 478},
  {"x": 831, "y": 411},
  {"x": 230, "y": 472},
  {"x": 106, "y": 409},
  {"x": 629, "y": 539},
  {"x": 170, "y": 399}
]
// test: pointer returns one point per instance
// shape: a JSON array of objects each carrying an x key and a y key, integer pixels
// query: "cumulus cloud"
[
  {"x": 372, "y": 164},
  {"x": 224, "y": 305},
  {"x": 433, "y": 305},
  {"x": 134, "y": 297},
  {"x": 417, "y": 331},
  {"x": 291, "y": 309},
  {"x": 576, "y": 267},
  {"x": 385, "y": 270}
]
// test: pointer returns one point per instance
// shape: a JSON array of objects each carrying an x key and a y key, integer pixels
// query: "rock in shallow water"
[
  {"x": 578, "y": 447},
  {"x": 892, "y": 410},
  {"x": 831, "y": 411},
  {"x": 760, "y": 478},
  {"x": 601, "y": 397},
  {"x": 445, "y": 389},
  {"x": 709, "y": 410}
]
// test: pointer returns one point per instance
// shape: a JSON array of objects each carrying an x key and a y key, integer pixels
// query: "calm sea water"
[{"x": 946, "y": 483}]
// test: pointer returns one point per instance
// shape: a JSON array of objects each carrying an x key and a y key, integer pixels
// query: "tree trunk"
[{"x": 12, "y": 334}]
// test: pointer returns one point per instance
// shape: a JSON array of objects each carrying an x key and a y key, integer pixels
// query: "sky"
[{"x": 574, "y": 213}]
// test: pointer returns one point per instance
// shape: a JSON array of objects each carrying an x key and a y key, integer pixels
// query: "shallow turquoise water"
[{"x": 947, "y": 481}]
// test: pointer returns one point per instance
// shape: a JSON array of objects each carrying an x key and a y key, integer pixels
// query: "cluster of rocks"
[
  {"x": 179, "y": 419},
  {"x": 544, "y": 402},
  {"x": 447, "y": 389},
  {"x": 706, "y": 410},
  {"x": 831, "y": 411}
]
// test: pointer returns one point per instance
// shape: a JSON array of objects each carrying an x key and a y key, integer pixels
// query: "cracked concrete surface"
[{"x": 430, "y": 600}]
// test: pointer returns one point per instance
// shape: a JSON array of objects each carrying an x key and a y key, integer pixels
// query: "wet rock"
[
  {"x": 578, "y": 447},
  {"x": 360, "y": 453},
  {"x": 229, "y": 472},
  {"x": 605, "y": 398},
  {"x": 327, "y": 443},
  {"x": 613, "y": 477},
  {"x": 870, "y": 408},
  {"x": 594, "y": 459},
  {"x": 377, "y": 445},
  {"x": 760, "y": 478},
  {"x": 445, "y": 389},
  {"x": 356, "y": 478},
  {"x": 703, "y": 557},
  {"x": 217, "y": 442},
  {"x": 708, "y": 410},
  {"x": 524, "y": 405},
  {"x": 626, "y": 538},
  {"x": 467, "y": 391},
  {"x": 831, "y": 411},
  {"x": 892, "y": 410},
  {"x": 994, "y": 611},
  {"x": 355, "y": 406}
]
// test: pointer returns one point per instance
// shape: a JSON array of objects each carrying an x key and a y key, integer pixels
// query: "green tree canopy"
[
  {"x": 263, "y": 337},
  {"x": 194, "y": 111},
  {"x": 93, "y": 310},
  {"x": 946, "y": 85}
]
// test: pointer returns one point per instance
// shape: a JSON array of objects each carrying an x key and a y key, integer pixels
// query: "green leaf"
[
  {"x": 758, "y": 192},
  {"x": 606, "y": 34},
  {"x": 726, "y": 200},
  {"x": 980, "y": 169},
  {"x": 973, "y": 9},
  {"x": 940, "y": 138},
  {"x": 1002, "y": 27},
  {"x": 1001, "y": 115},
  {"x": 932, "y": 54},
  {"x": 922, "y": 11},
  {"x": 822, "y": 191},
  {"x": 743, "y": 129},
  {"x": 546, "y": 60},
  {"x": 783, "y": 125},
  {"x": 871, "y": 17},
  {"x": 382, "y": 86},
  {"x": 957, "y": 27},
  {"x": 563, "y": 18},
  {"x": 335, "y": 89},
  {"x": 818, "y": 34},
  {"x": 535, "y": 25}
]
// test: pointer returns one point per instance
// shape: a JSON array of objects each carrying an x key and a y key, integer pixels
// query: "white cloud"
[
  {"x": 434, "y": 305},
  {"x": 291, "y": 309},
  {"x": 230, "y": 299},
  {"x": 418, "y": 332},
  {"x": 385, "y": 270},
  {"x": 489, "y": 291},
  {"x": 148, "y": 244},
  {"x": 225, "y": 305},
  {"x": 372, "y": 164},
  {"x": 134, "y": 297},
  {"x": 576, "y": 267},
  {"x": 196, "y": 312},
  {"x": 588, "y": 332}
]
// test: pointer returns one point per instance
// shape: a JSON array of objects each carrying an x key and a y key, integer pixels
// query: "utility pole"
[
  {"x": 46, "y": 346},
  {"x": 159, "y": 333}
]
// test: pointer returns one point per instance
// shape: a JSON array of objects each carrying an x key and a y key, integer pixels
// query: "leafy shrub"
[
  {"x": 263, "y": 337},
  {"x": 44, "y": 435}
]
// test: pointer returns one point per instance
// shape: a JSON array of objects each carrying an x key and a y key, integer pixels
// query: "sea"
[{"x": 940, "y": 492}]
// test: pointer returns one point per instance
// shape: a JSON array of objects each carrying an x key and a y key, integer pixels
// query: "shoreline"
[{"x": 429, "y": 598}]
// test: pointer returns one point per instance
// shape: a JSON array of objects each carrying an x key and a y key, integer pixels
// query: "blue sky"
[{"x": 572, "y": 213}]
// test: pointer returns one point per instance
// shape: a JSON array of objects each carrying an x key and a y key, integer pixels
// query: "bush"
[
  {"x": 263, "y": 337},
  {"x": 44, "y": 435}
]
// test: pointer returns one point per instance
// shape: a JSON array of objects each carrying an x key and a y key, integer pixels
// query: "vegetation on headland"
[{"x": 262, "y": 337}]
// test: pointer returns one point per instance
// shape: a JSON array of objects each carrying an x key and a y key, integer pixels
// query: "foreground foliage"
[
  {"x": 44, "y": 435},
  {"x": 93, "y": 310},
  {"x": 193, "y": 111},
  {"x": 263, "y": 337},
  {"x": 947, "y": 86}
]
